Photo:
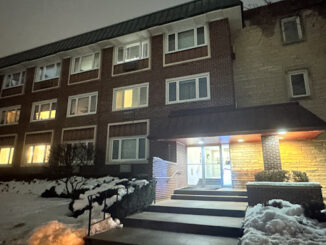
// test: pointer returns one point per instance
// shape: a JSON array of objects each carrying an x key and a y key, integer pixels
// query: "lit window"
[
  {"x": 130, "y": 97},
  {"x": 131, "y": 52},
  {"x": 44, "y": 110},
  {"x": 291, "y": 28},
  {"x": 82, "y": 104},
  {"x": 38, "y": 153},
  {"x": 14, "y": 80},
  {"x": 6, "y": 155},
  {"x": 48, "y": 72},
  {"x": 299, "y": 83},
  {"x": 191, "y": 88},
  {"x": 9, "y": 115},
  {"x": 186, "y": 39},
  {"x": 86, "y": 62},
  {"x": 133, "y": 148}
]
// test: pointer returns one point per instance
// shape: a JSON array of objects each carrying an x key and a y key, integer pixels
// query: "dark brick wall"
[
  {"x": 219, "y": 65},
  {"x": 271, "y": 152}
]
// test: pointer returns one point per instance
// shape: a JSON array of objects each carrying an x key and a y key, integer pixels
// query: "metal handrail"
[
  {"x": 170, "y": 177},
  {"x": 90, "y": 205}
]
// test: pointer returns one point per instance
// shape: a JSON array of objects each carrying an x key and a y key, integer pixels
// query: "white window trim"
[
  {"x": 16, "y": 107},
  {"x": 39, "y": 103},
  {"x": 72, "y": 65},
  {"x": 178, "y": 80},
  {"x": 137, "y": 137},
  {"x": 129, "y": 87},
  {"x": 306, "y": 82},
  {"x": 70, "y": 98},
  {"x": 21, "y": 81},
  {"x": 36, "y": 163},
  {"x": 297, "y": 19},
  {"x": 140, "y": 43},
  {"x": 44, "y": 67},
  {"x": 183, "y": 30}
]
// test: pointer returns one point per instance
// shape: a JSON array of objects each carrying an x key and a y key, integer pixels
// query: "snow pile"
[
  {"x": 269, "y": 225},
  {"x": 56, "y": 233}
]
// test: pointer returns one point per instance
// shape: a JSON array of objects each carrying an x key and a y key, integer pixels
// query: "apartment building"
[{"x": 196, "y": 93}]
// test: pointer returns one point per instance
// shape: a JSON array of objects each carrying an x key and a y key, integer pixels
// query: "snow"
[
  {"x": 268, "y": 225},
  {"x": 25, "y": 215},
  {"x": 291, "y": 184}
]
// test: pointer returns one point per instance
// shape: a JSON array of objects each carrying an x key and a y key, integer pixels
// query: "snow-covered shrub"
[
  {"x": 272, "y": 175},
  {"x": 281, "y": 223},
  {"x": 113, "y": 192},
  {"x": 314, "y": 209}
]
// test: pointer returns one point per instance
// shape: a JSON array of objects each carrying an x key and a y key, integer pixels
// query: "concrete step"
[
  {"x": 186, "y": 223},
  {"x": 211, "y": 192},
  {"x": 140, "y": 236},
  {"x": 210, "y": 198},
  {"x": 196, "y": 211}
]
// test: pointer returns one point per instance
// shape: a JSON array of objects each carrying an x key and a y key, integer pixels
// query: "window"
[
  {"x": 131, "y": 148},
  {"x": 82, "y": 104},
  {"x": 6, "y": 155},
  {"x": 186, "y": 39},
  {"x": 48, "y": 72},
  {"x": 44, "y": 110},
  {"x": 130, "y": 97},
  {"x": 37, "y": 153},
  {"x": 14, "y": 80},
  {"x": 9, "y": 115},
  {"x": 191, "y": 88},
  {"x": 83, "y": 150},
  {"x": 291, "y": 29},
  {"x": 131, "y": 52},
  {"x": 299, "y": 83},
  {"x": 86, "y": 62}
]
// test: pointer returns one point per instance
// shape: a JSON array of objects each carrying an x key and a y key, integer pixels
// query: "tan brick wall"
[
  {"x": 308, "y": 156},
  {"x": 246, "y": 160},
  {"x": 262, "y": 61}
]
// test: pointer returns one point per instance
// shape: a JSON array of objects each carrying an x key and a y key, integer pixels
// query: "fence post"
[{"x": 90, "y": 204}]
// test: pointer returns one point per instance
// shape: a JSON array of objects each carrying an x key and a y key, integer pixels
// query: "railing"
[{"x": 105, "y": 193}]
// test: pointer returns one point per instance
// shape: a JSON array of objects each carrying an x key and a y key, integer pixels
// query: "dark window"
[{"x": 291, "y": 28}]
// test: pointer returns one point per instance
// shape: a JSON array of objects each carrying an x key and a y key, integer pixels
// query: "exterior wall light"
[{"x": 282, "y": 131}]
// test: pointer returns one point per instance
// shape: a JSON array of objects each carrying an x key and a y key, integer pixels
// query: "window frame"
[
  {"x": 44, "y": 67},
  {"x": 26, "y": 146},
  {"x": 43, "y": 102},
  {"x": 120, "y": 139},
  {"x": 306, "y": 82},
  {"x": 176, "y": 33},
  {"x": 16, "y": 107},
  {"x": 78, "y": 96},
  {"x": 177, "y": 80},
  {"x": 126, "y": 88},
  {"x": 72, "y": 65},
  {"x": 139, "y": 43},
  {"x": 300, "y": 30},
  {"x": 11, "y": 155},
  {"x": 21, "y": 79}
]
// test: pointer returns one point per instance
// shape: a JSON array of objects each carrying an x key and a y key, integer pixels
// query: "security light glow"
[
  {"x": 282, "y": 131},
  {"x": 200, "y": 142},
  {"x": 240, "y": 140}
]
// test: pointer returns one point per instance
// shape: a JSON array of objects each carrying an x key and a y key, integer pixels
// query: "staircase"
[{"x": 190, "y": 217}]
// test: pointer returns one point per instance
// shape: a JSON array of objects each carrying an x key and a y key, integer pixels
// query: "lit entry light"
[
  {"x": 240, "y": 140},
  {"x": 200, "y": 142},
  {"x": 282, "y": 131}
]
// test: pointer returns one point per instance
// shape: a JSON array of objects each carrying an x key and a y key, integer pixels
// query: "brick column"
[{"x": 271, "y": 152}]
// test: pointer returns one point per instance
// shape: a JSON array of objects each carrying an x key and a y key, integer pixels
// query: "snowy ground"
[
  {"x": 23, "y": 213},
  {"x": 267, "y": 225}
]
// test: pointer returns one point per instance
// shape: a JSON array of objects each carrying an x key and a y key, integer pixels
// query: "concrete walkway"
[{"x": 194, "y": 220}]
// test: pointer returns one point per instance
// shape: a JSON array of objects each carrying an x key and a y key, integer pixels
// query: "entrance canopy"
[{"x": 221, "y": 121}]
